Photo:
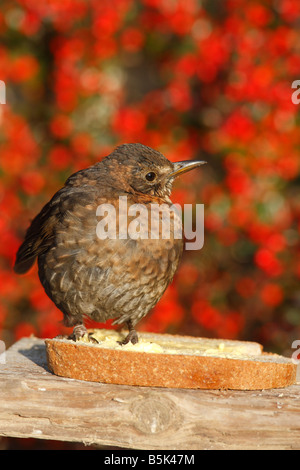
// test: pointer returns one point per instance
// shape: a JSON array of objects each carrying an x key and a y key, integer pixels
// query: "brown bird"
[{"x": 120, "y": 277}]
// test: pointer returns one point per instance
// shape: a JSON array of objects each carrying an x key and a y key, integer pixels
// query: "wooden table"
[{"x": 36, "y": 403}]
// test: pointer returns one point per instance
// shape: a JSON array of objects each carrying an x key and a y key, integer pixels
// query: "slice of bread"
[{"x": 161, "y": 360}]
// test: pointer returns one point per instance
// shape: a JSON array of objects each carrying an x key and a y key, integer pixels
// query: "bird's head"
[{"x": 146, "y": 170}]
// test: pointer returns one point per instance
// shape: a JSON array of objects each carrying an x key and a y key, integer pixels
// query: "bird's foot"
[
  {"x": 132, "y": 336},
  {"x": 78, "y": 332}
]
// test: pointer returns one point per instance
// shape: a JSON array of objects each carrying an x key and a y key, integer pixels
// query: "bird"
[{"x": 121, "y": 277}]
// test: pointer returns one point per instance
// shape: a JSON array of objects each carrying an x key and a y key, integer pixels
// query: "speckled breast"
[{"x": 121, "y": 274}]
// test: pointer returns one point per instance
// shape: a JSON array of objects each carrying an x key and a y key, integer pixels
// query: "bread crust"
[{"x": 90, "y": 362}]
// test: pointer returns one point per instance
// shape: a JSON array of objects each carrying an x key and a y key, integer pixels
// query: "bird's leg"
[
  {"x": 132, "y": 335},
  {"x": 78, "y": 331}
]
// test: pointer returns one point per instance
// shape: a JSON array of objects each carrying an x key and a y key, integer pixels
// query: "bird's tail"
[
  {"x": 25, "y": 258},
  {"x": 36, "y": 241}
]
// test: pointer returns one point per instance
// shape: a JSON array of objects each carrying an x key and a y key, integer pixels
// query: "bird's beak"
[{"x": 182, "y": 167}]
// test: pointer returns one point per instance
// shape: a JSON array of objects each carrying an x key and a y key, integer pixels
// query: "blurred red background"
[{"x": 209, "y": 79}]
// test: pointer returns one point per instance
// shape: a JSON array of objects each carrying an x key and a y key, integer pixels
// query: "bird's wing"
[
  {"x": 37, "y": 238},
  {"x": 41, "y": 232}
]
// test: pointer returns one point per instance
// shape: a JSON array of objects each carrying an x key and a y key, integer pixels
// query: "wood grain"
[{"x": 36, "y": 403}]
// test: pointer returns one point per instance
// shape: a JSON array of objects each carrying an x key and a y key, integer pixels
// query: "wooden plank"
[{"x": 36, "y": 403}]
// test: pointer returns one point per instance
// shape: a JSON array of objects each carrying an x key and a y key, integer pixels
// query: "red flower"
[
  {"x": 267, "y": 261},
  {"x": 81, "y": 143},
  {"x": 30, "y": 23},
  {"x": 208, "y": 316},
  {"x": 24, "y": 329},
  {"x": 61, "y": 126},
  {"x": 272, "y": 295},
  {"x": 23, "y": 68},
  {"x": 232, "y": 325},
  {"x": 60, "y": 157},
  {"x": 129, "y": 123},
  {"x": 32, "y": 182},
  {"x": 239, "y": 126},
  {"x": 246, "y": 287},
  {"x": 132, "y": 39}
]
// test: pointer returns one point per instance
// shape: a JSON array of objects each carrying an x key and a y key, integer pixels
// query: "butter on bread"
[{"x": 162, "y": 360}]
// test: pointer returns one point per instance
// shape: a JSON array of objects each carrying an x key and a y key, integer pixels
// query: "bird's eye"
[{"x": 150, "y": 176}]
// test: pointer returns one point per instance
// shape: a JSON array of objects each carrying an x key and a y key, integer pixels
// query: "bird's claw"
[
  {"x": 131, "y": 337},
  {"x": 78, "y": 332}
]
